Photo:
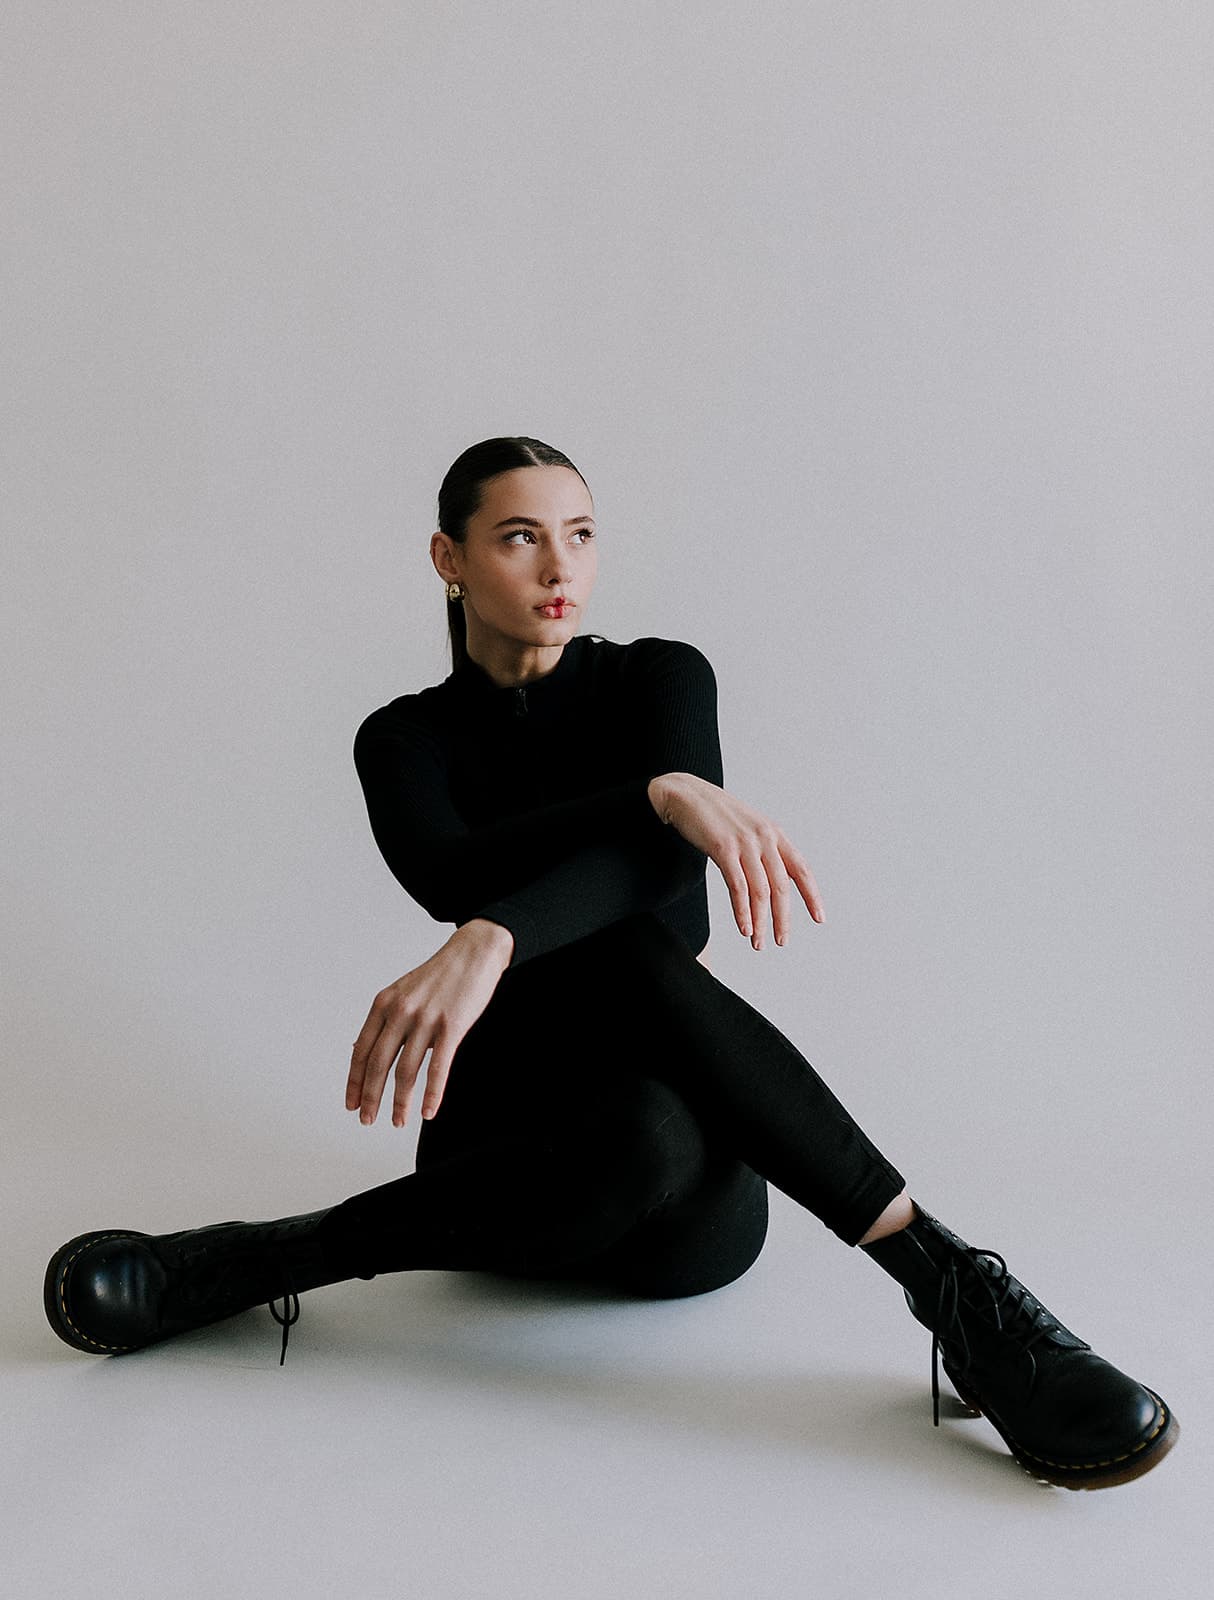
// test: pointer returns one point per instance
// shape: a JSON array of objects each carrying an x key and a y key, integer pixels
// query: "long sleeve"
[
  {"x": 556, "y": 872},
  {"x": 608, "y": 879},
  {"x": 447, "y": 866}
]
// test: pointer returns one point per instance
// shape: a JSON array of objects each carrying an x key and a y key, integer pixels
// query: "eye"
[{"x": 585, "y": 534}]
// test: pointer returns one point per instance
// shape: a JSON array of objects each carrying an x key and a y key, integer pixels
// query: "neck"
[{"x": 511, "y": 665}]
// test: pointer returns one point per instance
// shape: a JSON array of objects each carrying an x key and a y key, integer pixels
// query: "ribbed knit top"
[{"x": 529, "y": 806}]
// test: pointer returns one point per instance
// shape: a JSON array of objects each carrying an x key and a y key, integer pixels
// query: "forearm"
[
  {"x": 450, "y": 869},
  {"x": 656, "y": 872},
  {"x": 595, "y": 887}
]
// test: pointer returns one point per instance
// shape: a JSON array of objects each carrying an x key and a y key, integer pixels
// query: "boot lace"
[
  {"x": 217, "y": 1272},
  {"x": 289, "y": 1315},
  {"x": 998, "y": 1298}
]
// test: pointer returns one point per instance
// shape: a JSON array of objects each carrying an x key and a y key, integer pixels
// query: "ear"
[{"x": 440, "y": 555}]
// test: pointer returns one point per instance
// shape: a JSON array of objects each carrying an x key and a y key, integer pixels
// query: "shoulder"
[
  {"x": 674, "y": 668},
  {"x": 650, "y": 656},
  {"x": 417, "y": 717}
]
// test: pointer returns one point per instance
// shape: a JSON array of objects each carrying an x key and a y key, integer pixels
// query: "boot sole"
[
  {"x": 54, "y": 1293},
  {"x": 1123, "y": 1468}
]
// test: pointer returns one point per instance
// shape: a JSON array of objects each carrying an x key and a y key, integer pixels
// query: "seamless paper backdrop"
[{"x": 882, "y": 335}]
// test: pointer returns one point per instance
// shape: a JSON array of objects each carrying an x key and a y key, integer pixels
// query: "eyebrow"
[{"x": 534, "y": 522}]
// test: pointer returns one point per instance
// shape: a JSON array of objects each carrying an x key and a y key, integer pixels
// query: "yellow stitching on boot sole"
[
  {"x": 1083, "y": 1466},
  {"x": 1088, "y": 1466},
  {"x": 92, "y": 1239}
]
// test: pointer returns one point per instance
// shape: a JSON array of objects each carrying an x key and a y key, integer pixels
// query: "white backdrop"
[{"x": 882, "y": 335}]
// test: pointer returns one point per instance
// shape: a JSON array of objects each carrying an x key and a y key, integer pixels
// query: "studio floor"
[{"x": 454, "y": 1435}]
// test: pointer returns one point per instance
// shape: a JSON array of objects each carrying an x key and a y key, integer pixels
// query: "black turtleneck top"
[{"x": 529, "y": 806}]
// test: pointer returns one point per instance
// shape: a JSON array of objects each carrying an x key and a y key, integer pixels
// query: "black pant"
[{"x": 614, "y": 1115}]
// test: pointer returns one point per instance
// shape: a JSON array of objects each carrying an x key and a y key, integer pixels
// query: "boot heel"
[{"x": 967, "y": 1404}]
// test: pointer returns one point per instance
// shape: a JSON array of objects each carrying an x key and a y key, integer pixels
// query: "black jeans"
[{"x": 614, "y": 1115}]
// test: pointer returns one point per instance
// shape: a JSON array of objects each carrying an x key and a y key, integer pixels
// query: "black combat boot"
[
  {"x": 115, "y": 1290},
  {"x": 1067, "y": 1415}
]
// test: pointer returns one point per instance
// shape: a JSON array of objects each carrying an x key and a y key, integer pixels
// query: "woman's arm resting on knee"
[
  {"x": 430, "y": 1008},
  {"x": 757, "y": 859}
]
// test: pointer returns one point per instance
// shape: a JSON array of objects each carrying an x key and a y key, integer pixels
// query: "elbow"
[{"x": 427, "y": 889}]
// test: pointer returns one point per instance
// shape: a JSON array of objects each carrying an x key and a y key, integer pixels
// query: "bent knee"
[
  {"x": 651, "y": 1128},
  {"x": 705, "y": 1244}
]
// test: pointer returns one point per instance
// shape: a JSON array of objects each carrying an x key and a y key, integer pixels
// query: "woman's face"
[{"x": 532, "y": 540}]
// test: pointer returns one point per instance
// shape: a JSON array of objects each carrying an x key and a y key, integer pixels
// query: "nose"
[{"x": 557, "y": 568}]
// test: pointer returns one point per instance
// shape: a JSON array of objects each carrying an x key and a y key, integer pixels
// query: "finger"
[
  {"x": 408, "y": 1067},
  {"x": 358, "y": 1059},
  {"x": 780, "y": 884},
  {"x": 354, "y": 1085},
  {"x": 402, "y": 1097},
  {"x": 436, "y": 1080},
  {"x": 760, "y": 894},
  {"x": 804, "y": 879},
  {"x": 394, "y": 1035},
  {"x": 372, "y": 1094},
  {"x": 739, "y": 890}
]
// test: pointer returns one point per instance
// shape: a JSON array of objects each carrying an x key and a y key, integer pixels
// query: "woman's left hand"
[
  {"x": 759, "y": 862},
  {"x": 430, "y": 1008}
]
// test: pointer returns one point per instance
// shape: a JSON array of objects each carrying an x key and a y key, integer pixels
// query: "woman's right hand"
[
  {"x": 756, "y": 857},
  {"x": 430, "y": 1008}
]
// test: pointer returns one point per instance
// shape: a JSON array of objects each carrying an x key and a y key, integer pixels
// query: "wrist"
[
  {"x": 488, "y": 936},
  {"x": 659, "y": 791}
]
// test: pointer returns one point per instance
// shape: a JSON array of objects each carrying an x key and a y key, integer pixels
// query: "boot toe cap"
[
  {"x": 103, "y": 1290},
  {"x": 1116, "y": 1447},
  {"x": 1105, "y": 1411},
  {"x": 1088, "y": 1424}
]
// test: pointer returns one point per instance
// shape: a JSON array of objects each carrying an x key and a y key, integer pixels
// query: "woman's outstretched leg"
[
  {"x": 535, "y": 1187},
  {"x": 604, "y": 1162},
  {"x": 614, "y": 1183}
]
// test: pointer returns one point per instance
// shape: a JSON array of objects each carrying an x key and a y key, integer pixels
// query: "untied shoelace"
[
  {"x": 289, "y": 1315},
  {"x": 1005, "y": 1295},
  {"x": 209, "y": 1268}
]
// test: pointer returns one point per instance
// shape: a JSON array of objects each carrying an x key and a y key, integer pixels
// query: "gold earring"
[{"x": 455, "y": 591}]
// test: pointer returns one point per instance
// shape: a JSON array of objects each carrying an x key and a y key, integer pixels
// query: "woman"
[{"x": 597, "y": 1104}]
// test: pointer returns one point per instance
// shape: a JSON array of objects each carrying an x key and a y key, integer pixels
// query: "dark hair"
[{"x": 459, "y": 498}]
